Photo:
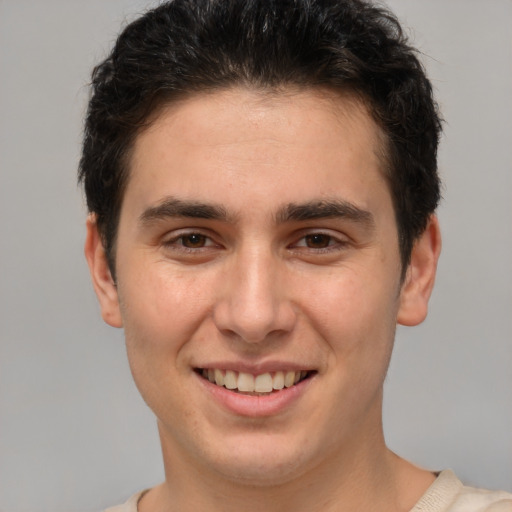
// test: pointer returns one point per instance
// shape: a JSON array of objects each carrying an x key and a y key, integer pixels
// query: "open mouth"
[{"x": 249, "y": 384}]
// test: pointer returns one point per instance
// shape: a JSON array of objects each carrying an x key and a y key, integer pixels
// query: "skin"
[{"x": 257, "y": 286}]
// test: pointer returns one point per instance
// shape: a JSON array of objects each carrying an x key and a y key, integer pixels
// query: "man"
[{"x": 262, "y": 183}]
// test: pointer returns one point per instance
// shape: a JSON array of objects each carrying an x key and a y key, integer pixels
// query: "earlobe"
[
  {"x": 419, "y": 281},
  {"x": 104, "y": 285}
]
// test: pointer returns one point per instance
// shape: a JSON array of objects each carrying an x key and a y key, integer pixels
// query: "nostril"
[{"x": 252, "y": 308}]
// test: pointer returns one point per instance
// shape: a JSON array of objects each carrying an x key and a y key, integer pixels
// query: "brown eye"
[
  {"x": 193, "y": 241},
  {"x": 318, "y": 241}
]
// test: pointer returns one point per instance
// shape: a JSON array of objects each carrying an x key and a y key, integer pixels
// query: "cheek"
[
  {"x": 354, "y": 313},
  {"x": 161, "y": 311}
]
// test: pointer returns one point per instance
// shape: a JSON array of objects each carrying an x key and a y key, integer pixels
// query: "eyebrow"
[
  {"x": 172, "y": 207},
  {"x": 325, "y": 209},
  {"x": 312, "y": 210}
]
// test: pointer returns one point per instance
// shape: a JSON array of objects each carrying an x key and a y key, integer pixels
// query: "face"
[{"x": 258, "y": 281}]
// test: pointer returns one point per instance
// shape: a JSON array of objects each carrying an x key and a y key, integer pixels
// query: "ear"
[
  {"x": 420, "y": 276},
  {"x": 104, "y": 285}
]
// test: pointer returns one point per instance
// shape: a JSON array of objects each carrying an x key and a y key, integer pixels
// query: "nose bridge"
[{"x": 254, "y": 303}]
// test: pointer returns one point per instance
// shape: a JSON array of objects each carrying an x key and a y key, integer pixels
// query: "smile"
[{"x": 247, "y": 383}]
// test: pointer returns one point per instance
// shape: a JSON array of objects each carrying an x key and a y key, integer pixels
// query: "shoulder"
[
  {"x": 128, "y": 506},
  {"x": 448, "y": 494},
  {"x": 483, "y": 500}
]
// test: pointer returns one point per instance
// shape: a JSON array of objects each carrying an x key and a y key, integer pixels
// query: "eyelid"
[
  {"x": 338, "y": 238},
  {"x": 172, "y": 238},
  {"x": 302, "y": 242}
]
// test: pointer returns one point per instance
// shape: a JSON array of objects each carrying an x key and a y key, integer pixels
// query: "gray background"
[{"x": 74, "y": 434}]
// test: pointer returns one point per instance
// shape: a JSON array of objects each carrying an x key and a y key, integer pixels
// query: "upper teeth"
[{"x": 246, "y": 382}]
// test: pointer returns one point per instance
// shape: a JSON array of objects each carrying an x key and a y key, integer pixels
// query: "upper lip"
[{"x": 256, "y": 368}]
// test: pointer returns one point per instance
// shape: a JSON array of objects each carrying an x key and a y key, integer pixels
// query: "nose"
[{"x": 254, "y": 303}]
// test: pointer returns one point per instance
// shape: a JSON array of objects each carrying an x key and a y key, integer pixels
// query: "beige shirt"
[{"x": 446, "y": 494}]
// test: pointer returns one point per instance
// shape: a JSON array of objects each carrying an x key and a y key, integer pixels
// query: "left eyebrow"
[{"x": 325, "y": 209}]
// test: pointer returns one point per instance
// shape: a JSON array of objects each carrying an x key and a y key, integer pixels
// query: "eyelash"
[
  {"x": 177, "y": 242},
  {"x": 332, "y": 243}
]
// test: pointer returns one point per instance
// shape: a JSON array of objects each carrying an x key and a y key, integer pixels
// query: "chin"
[
  {"x": 260, "y": 463},
  {"x": 260, "y": 474}
]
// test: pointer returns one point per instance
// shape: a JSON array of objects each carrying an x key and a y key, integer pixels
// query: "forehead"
[
  {"x": 232, "y": 143},
  {"x": 246, "y": 113}
]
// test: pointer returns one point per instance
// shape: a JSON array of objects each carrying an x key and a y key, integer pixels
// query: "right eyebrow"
[{"x": 172, "y": 207}]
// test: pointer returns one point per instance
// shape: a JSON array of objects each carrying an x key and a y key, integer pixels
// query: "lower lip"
[{"x": 256, "y": 406}]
